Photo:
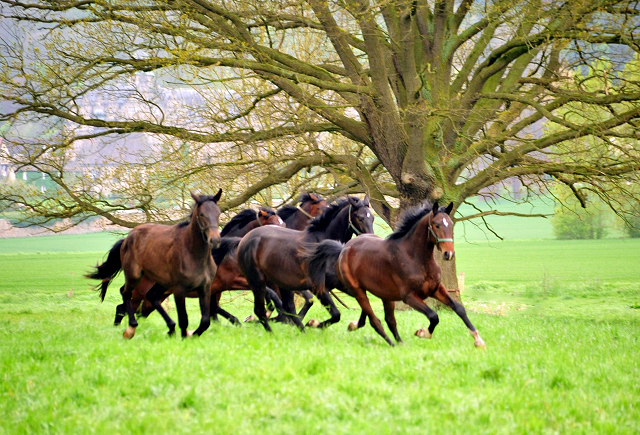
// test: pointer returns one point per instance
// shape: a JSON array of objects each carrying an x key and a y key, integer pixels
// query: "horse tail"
[
  {"x": 322, "y": 262},
  {"x": 107, "y": 270},
  {"x": 228, "y": 248}
]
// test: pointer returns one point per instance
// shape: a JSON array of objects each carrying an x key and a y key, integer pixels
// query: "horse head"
[
  {"x": 206, "y": 214},
  {"x": 441, "y": 229},
  {"x": 268, "y": 216},
  {"x": 360, "y": 216},
  {"x": 312, "y": 204}
]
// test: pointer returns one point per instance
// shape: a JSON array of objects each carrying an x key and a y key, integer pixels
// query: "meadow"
[{"x": 560, "y": 320}]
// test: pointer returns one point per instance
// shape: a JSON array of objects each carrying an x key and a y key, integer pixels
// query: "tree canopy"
[{"x": 405, "y": 100}]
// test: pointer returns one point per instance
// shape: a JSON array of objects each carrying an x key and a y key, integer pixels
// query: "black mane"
[
  {"x": 228, "y": 247},
  {"x": 240, "y": 220},
  {"x": 321, "y": 222},
  {"x": 286, "y": 211},
  {"x": 409, "y": 219}
]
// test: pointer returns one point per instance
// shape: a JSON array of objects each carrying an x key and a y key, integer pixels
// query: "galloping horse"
[
  {"x": 228, "y": 275},
  {"x": 272, "y": 254},
  {"x": 248, "y": 219},
  {"x": 177, "y": 258},
  {"x": 401, "y": 267}
]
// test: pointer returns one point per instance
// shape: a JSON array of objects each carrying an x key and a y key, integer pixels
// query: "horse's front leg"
[
  {"x": 181, "y": 308},
  {"x": 204, "y": 295},
  {"x": 418, "y": 304},
  {"x": 327, "y": 302},
  {"x": 443, "y": 296}
]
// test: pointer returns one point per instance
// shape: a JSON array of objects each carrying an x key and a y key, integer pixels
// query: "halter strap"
[
  {"x": 438, "y": 240},
  {"x": 353, "y": 227},
  {"x": 304, "y": 212},
  {"x": 258, "y": 218}
]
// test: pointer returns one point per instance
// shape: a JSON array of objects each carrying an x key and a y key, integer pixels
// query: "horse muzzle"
[
  {"x": 213, "y": 238},
  {"x": 448, "y": 255}
]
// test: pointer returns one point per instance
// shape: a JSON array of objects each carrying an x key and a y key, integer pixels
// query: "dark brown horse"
[
  {"x": 228, "y": 275},
  {"x": 298, "y": 217},
  {"x": 274, "y": 255},
  {"x": 401, "y": 267},
  {"x": 177, "y": 258},
  {"x": 248, "y": 219}
]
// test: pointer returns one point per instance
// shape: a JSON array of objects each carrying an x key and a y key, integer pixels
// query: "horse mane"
[
  {"x": 239, "y": 220},
  {"x": 321, "y": 222},
  {"x": 306, "y": 197},
  {"x": 286, "y": 211},
  {"x": 409, "y": 219},
  {"x": 228, "y": 247}
]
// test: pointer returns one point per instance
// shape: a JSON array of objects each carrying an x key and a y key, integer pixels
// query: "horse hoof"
[
  {"x": 313, "y": 323},
  {"x": 251, "y": 318},
  {"x": 190, "y": 333},
  {"x": 129, "y": 332},
  {"x": 352, "y": 326},
  {"x": 269, "y": 313},
  {"x": 477, "y": 341},
  {"x": 423, "y": 333}
]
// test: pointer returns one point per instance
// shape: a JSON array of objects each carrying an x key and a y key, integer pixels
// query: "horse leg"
[
  {"x": 121, "y": 311},
  {"x": 327, "y": 302},
  {"x": 359, "y": 323},
  {"x": 308, "y": 302},
  {"x": 183, "y": 318},
  {"x": 204, "y": 295},
  {"x": 216, "y": 309},
  {"x": 443, "y": 296},
  {"x": 390, "y": 318},
  {"x": 363, "y": 300},
  {"x": 286, "y": 308},
  {"x": 259, "y": 308},
  {"x": 418, "y": 304},
  {"x": 156, "y": 295},
  {"x": 129, "y": 285}
]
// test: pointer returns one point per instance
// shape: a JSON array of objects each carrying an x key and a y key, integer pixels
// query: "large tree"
[{"x": 412, "y": 100}]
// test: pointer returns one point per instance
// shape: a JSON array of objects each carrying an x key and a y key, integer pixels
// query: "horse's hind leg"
[
  {"x": 126, "y": 299},
  {"x": 443, "y": 296},
  {"x": 155, "y": 295},
  {"x": 390, "y": 318},
  {"x": 216, "y": 309}
]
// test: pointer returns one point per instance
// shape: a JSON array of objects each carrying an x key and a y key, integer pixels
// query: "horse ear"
[
  {"x": 366, "y": 200},
  {"x": 435, "y": 208},
  {"x": 217, "y": 196},
  {"x": 353, "y": 200},
  {"x": 196, "y": 198},
  {"x": 449, "y": 208}
]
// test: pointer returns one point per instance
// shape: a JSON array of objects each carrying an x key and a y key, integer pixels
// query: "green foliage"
[{"x": 572, "y": 221}]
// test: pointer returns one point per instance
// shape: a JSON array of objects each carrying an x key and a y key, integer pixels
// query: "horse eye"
[{"x": 437, "y": 225}]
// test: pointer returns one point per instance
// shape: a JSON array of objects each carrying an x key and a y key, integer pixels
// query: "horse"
[
  {"x": 401, "y": 267},
  {"x": 298, "y": 217},
  {"x": 273, "y": 254},
  {"x": 177, "y": 258},
  {"x": 228, "y": 275},
  {"x": 248, "y": 219}
]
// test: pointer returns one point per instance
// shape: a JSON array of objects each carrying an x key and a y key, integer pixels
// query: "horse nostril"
[{"x": 449, "y": 255}]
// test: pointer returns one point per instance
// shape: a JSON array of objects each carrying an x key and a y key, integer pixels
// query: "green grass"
[{"x": 560, "y": 319}]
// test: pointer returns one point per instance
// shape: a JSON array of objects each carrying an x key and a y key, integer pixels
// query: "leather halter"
[
  {"x": 353, "y": 227},
  {"x": 258, "y": 218},
  {"x": 304, "y": 212}
]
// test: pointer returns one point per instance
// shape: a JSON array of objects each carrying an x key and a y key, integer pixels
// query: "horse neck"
[
  {"x": 418, "y": 237},
  {"x": 194, "y": 237},
  {"x": 338, "y": 229},
  {"x": 297, "y": 221}
]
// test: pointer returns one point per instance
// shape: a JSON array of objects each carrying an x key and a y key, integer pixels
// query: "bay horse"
[
  {"x": 297, "y": 217},
  {"x": 401, "y": 267},
  {"x": 248, "y": 219},
  {"x": 274, "y": 255},
  {"x": 177, "y": 258},
  {"x": 228, "y": 275}
]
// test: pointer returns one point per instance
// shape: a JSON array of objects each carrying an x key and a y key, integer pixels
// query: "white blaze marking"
[{"x": 445, "y": 223}]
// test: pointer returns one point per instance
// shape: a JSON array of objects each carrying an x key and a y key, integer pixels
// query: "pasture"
[{"x": 560, "y": 320}]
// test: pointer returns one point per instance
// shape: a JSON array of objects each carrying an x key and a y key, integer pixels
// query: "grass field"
[{"x": 560, "y": 319}]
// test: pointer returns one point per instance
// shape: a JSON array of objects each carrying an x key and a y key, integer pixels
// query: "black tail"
[
  {"x": 228, "y": 247},
  {"x": 107, "y": 270},
  {"x": 322, "y": 264}
]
